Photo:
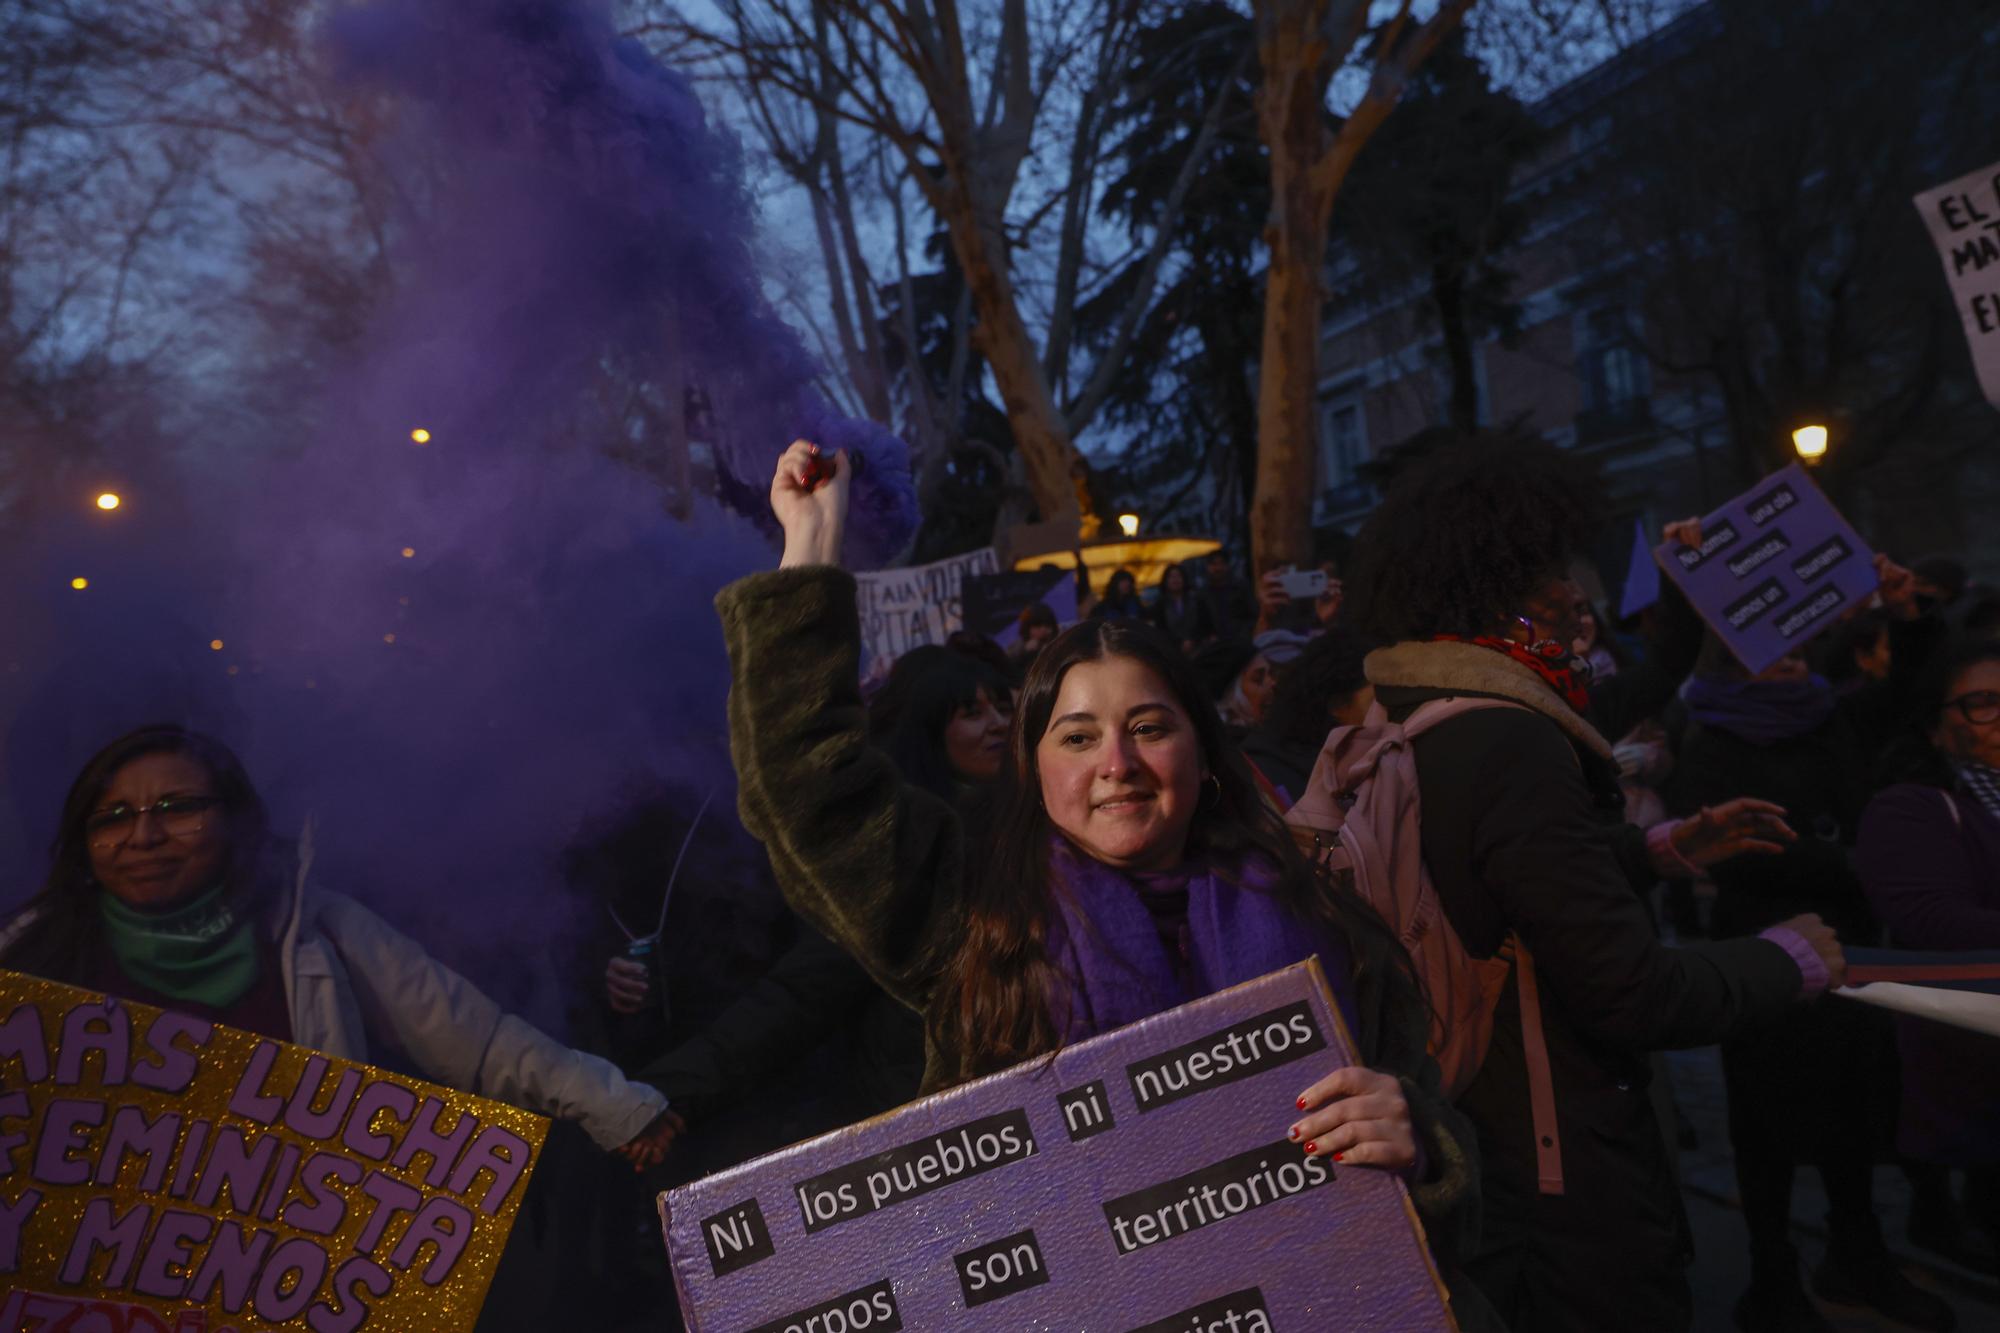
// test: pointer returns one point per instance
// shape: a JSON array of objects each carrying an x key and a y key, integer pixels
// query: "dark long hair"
[
  {"x": 908, "y": 716},
  {"x": 994, "y": 1004},
  {"x": 64, "y": 917}
]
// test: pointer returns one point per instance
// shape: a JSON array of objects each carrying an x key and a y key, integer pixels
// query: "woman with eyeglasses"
[
  {"x": 1462, "y": 572},
  {"x": 1929, "y": 856},
  {"x": 167, "y": 888}
]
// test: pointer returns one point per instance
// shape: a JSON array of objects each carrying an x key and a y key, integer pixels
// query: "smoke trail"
[{"x": 453, "y": 653}]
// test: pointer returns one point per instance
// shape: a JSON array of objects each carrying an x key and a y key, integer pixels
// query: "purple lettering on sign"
[
  {"x": 21, "y": 1039},
  {"x": 14, "y": 1216},
  {"x": 102, "y": 1229},
  {"x": 233, "y": 1260},
  {"x": 176, "y": 1066},
  {"x": 103, "y": 1027},
  {"x": 66, "y": 1126}
]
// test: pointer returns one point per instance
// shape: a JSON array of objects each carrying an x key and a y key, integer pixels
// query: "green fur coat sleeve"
[{"x": 874, "y": 863}]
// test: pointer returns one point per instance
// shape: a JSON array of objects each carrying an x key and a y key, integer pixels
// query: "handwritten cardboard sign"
[
  {"x": 1139, "y": 1182},
  {"x": 1776, "y": 566},
  {"x": 903, "y": 609},
  {"x": 162, "y": 1174},
  {"x": 1964, "y": 221}
]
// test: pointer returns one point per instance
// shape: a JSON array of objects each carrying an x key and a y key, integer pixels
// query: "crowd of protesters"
[{"x": 1000, "y": 851}]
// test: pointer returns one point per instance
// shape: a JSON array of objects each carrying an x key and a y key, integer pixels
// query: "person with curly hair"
[{"x": 1462, "y": 571}]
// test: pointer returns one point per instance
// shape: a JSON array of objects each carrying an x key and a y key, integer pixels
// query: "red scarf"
[{"x": 1547, "y": 659}]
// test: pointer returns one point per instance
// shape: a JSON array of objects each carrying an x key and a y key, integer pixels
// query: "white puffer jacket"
[{"x": 348, "y": 973}]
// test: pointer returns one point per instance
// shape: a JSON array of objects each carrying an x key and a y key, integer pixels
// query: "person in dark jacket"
[
  {"x": 943, "y": 717},
  {"x": 1179, "y": 614},
  {"x": 1815, "y": 1085},
  {"x": 1323, "y": 688},
  {"x": 1232, "y": 607},
  {"x": 1126, "y": 830},
  {"x": 1462, "y": 571},
  {"x": 1929, "y": 859},
  {"x": 1121, "y": 600}
]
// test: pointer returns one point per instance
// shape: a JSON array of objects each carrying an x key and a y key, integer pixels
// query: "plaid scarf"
[
  {"x": 1548, "y": 659},
  {"x": 1983, "y": 782}
]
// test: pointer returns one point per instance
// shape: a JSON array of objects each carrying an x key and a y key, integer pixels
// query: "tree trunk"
[
  {"x": 1053, "y": 465},
  {"x": 1299, "y": 44},
  {"x": 1448, "y": 295}
]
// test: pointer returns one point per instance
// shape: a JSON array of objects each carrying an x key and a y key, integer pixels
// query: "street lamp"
[
  {"x": 108, "y": 500},
  {"x": 1129, "y": 524},
  {"x": 1810, "y": 441}
]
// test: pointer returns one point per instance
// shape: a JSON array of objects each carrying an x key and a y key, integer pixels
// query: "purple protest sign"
[
  {"x": 1776, "y": 566},
  {"x": 1139, "y": 1182}
]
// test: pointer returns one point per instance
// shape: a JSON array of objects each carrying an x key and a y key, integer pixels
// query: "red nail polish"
[
  {"x": 1337, "y": 1157},
  {"x": 1302, "y": 1103},
  {"x": 1312, "y": 1148},
  {"x": 1294, "y": 1132}
]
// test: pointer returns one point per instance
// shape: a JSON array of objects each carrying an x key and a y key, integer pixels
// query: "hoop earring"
[{"x": 1218, "y": 792}]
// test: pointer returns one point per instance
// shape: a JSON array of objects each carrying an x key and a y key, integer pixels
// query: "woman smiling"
[{"x": 1132, "y": 864}]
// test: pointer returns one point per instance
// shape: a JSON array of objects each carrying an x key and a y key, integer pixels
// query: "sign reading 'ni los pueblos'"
[
  {"x": 1776, "y": 566},
  {"x": 164, "y": 1174},
  {"x": 1139, "y": 1182}
]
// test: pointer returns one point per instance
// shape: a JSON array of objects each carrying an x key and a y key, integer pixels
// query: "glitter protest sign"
[
  {"x": 1776, "y": 566},
  {"x": 162, "y": 1174},
  {"x": 1139, "y": 1182}
]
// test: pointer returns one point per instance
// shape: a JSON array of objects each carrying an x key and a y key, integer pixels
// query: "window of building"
[
  {"x": 1614, "y": 370},
  {"x": 1343, "y": 440}
]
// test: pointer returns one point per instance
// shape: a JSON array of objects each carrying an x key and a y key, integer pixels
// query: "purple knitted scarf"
[{"x": 1103, "y": 940}]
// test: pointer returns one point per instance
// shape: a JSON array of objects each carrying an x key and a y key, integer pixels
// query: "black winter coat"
[{"x": 1523, "y": 831}]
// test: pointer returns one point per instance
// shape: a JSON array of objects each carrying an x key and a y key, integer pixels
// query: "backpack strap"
[{"x": 1541, "y": 1080}]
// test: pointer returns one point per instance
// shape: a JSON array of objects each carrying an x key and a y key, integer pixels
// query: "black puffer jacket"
[{"x": 1523, "y": 831}]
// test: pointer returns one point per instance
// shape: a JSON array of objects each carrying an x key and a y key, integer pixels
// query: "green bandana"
[{"x": 200, "y": 951}]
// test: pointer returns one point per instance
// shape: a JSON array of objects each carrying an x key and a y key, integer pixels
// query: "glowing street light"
[
  {"x": 79, "y": 583},
  {"x": 109, "y": 500},
  {"x": 1129, "y": 524},
  {"x": 1810, "y": 441},
  {"x": 420, "y": 436},
  {"x": 409, "y": 552},
  {"x": 215, "y": 645}
]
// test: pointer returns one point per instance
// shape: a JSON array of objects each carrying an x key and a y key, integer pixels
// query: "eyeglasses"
[
  {"x": 177, "y": 816},
  {"x": 1980, "y": 706}
]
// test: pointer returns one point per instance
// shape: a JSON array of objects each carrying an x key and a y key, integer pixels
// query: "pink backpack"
[{"x": 1359, "y": 819}]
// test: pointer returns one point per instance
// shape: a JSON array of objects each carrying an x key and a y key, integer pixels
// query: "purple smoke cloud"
[{"x": 454, "y": 655}]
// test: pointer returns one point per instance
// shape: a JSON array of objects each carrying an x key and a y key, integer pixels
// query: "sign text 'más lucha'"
[{"x": 160, "y": 1172}]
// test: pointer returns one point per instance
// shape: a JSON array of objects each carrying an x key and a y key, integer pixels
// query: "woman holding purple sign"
[{"x": 1132, "y": 864}]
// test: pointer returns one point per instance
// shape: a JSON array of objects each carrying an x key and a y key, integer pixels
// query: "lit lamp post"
[
  {"x": 1810, "y": 441},
  {"x": 1129, "y": 524}
]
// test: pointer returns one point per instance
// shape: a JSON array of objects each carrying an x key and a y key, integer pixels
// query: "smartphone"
[{"x": 1303, "y": 584}]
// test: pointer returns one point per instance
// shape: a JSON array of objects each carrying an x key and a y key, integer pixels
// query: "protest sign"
[
  {"x": 1958, "y": 988},
  {"x": 903, "y": 609},
  {"x": 1776, "y": 566},
  {"x": 1964, "y": 221},
  {"x": 994, "y": 602},
  {"x": 1138, "y": 1182},
  {"x": 162, "y": 1174}
]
